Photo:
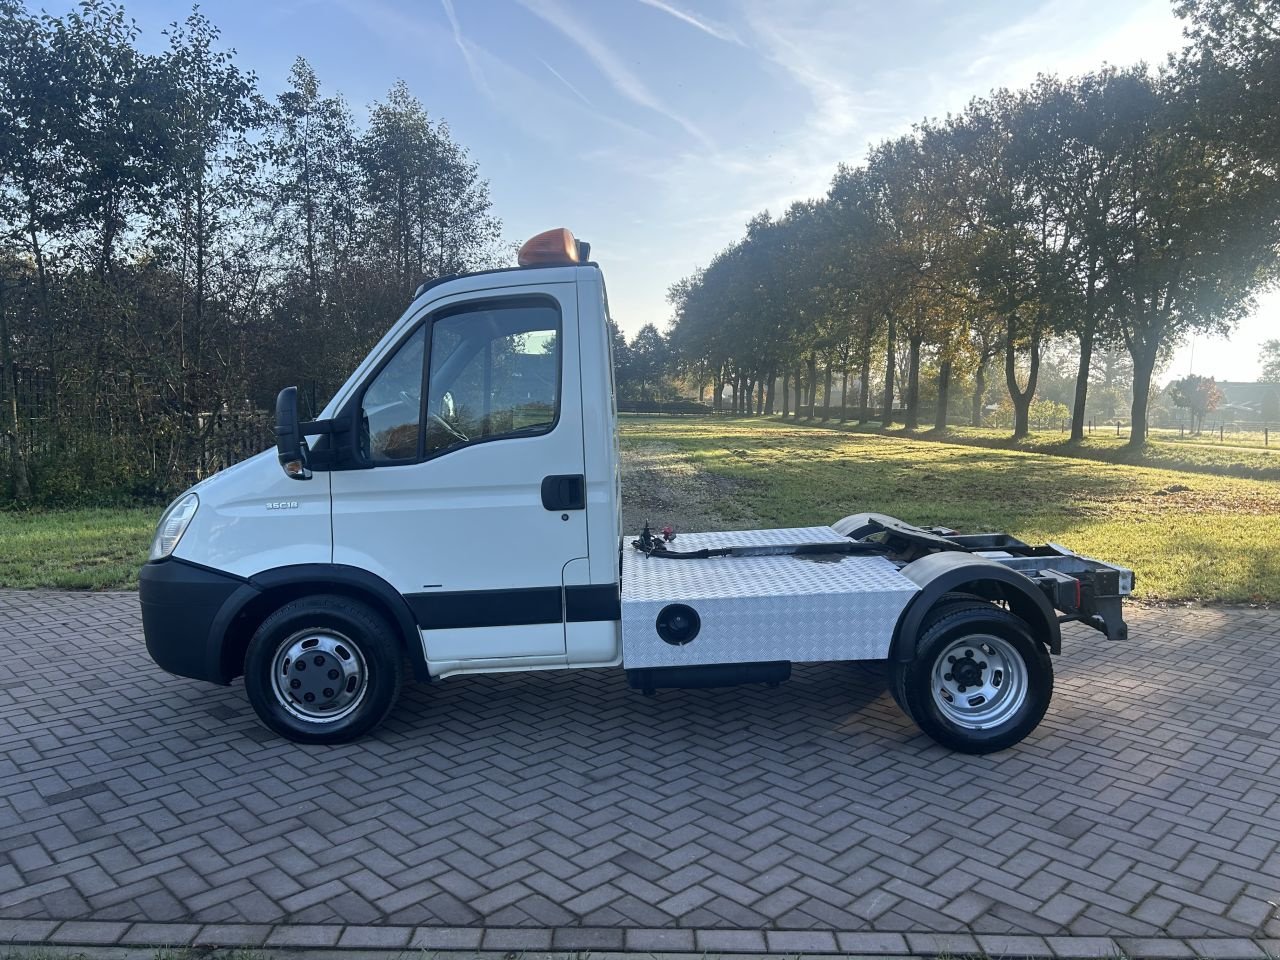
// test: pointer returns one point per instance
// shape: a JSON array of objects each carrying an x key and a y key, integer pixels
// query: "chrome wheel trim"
[
  {"x": 319, "y": 676},
  {"x": 979, "y": 681}
]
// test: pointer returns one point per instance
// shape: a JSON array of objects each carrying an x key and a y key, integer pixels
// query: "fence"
[
  {"x": 1253, "y": 433},
  {"x": 115, "y": 437}
]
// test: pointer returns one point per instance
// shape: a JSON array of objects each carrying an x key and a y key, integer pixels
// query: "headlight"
[{"x": 173, "y": 525}]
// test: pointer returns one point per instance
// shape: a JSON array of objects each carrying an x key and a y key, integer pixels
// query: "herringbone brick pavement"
[{"x": 1147, "y": 803}]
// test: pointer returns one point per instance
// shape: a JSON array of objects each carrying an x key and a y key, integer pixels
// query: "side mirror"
[{"x": 291, "y": 446}]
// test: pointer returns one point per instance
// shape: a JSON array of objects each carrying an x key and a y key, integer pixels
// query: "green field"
[
  {"x": 81, "y": 549},
  {"x": 1189, "y": 535}
]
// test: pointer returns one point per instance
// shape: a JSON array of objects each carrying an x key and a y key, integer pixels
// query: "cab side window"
[
  {"x": 392, "y": 405},
  {"x": 495, "y": 372}
]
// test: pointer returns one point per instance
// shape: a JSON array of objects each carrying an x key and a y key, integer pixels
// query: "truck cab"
[{"x": 456, "y": 508}]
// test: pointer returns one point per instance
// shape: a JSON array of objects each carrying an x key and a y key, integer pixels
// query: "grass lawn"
[
  {"x": 1203, "y": 454},
  {"x": 81, "y": 549},
  {"x": 1189, "y": 536}
]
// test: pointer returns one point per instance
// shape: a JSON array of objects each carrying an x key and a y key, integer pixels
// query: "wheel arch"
[
  {"x": 266, "y": 592},
  {"x": 940, "y": 574}
]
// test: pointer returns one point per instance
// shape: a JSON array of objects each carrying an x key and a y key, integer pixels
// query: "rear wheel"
[
  {"x": 323, "y": 669},
  {"x": 979, "y": 681}
]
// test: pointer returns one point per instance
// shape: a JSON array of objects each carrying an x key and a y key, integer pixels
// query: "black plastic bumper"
[{"x": 181, "y": 607}]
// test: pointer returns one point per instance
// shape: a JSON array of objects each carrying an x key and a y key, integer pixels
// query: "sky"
[{"x": 656, "y": 128}]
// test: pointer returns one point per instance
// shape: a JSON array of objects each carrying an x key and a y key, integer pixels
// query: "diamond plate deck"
[{"x": 762, "y": 608}]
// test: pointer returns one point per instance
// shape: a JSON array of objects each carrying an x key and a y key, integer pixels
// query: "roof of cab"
[{"x": 502, "y": 277}]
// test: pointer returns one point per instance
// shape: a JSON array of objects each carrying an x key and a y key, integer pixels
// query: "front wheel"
[
  {"x": 979, "y": 681},
  {"x": 323, "y": 669}
]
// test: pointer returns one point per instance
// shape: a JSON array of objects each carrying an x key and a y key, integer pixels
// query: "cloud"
[
  {"x": 465, "y": 47},
  {"x": 610, "y": 64},
  {"x": 556, "y": 73},
  {"x": 535, "y": 108},
  {"x": 1015, "y": 55},
  {"x": 706, "y": 26}
]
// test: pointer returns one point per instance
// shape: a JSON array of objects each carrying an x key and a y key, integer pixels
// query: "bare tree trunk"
[
  {"x": 1087, "y": 335},
  {"x": 46, "y": 313},
  {"x": 1082, "y": 383},
  {"x": 768, "y": 396},
  {"x": 786, "y": 394},
  {"x": 12, "y": 429},
  {"x": 1144, "y": 364},
  {"x": 913, "y": 380},
  {"x": 813, "y": 384},
  {"x": 844, "y": 393},
  {"x": 864, "y": 386},
  {"x": 826, "y": 395},
  {"x": 891, "y": 362},
  {"x": 1021, "y": 397},
  {"x": 944, "y": 394},
  {"x": 979, "y": 391}
]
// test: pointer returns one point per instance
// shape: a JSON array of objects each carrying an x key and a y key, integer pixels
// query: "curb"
[{"x": 119, "y": 938}]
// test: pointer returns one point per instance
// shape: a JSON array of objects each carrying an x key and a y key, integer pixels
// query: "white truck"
[{"x": 458, "y": 511}]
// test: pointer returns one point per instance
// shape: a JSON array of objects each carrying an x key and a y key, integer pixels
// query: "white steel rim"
[
  {"x": 979, "y": 681},
  {"x": 319, "y": 676}
]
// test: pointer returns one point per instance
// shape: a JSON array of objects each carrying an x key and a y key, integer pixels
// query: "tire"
[
  {"x": 940, "y": 607},
  {"x": 1009, "y": 679},
  {"x": 356, "y": 669}
]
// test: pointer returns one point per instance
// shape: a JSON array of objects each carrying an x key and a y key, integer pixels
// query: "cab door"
[{"x": 470, "y": 494}]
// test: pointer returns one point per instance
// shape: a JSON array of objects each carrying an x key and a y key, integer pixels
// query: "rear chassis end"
[{"x": 1080, "y": 588}]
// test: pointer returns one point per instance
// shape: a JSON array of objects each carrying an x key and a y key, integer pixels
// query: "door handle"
[{"x": 564, "y": 492}]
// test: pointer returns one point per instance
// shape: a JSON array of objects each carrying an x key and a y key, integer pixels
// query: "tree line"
[
  {"x": 1118, "y": 211},
  {"x": 175, "y": 245}
]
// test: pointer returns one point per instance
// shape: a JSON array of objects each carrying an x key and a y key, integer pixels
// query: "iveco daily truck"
[{"x": 456, "y": 510}]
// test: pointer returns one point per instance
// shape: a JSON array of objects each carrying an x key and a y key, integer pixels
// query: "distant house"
[{"x": 1248, "y": 401}]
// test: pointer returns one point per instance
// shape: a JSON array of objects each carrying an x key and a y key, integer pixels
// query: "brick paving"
[{"x": 563, "y": 811}]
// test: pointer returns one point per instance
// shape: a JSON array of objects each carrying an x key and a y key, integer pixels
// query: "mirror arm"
[
  {"x": 317, "y": 427},
  {"x": 325, "y": 459}
]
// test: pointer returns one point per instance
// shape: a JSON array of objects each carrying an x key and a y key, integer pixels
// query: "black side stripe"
[
  {"x": 597, "y": 602},
  {"x": 510, "y": 608}
]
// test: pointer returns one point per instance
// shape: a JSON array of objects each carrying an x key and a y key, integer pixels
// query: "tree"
[
  {"x": 1077, "y": 128},
  {"x": 1270, "y": 361},
  {"x": 11, "y": 425},
  {"x": 1195, "y": 235},
  {"x": 315, "y": 238},
  {"x": 174, "y": 248},
  {"x": 214, "y": 110},
  {"x": 1200, "y": 395},
  {"x": 1231, "y": 68},
  {"x": 650, "y": 359},
  {"x": 429, "y": 207},
  {"x": 1021, "y": 252},
  {"x": 26, "y": 171}
]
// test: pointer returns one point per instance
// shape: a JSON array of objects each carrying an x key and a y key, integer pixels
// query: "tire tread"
[
  {"x": 910, "y": 683},
  {"x": 380, "y": 643}
]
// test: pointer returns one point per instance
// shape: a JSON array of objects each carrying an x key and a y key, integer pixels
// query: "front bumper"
[{"x": 184, "y": 616}]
